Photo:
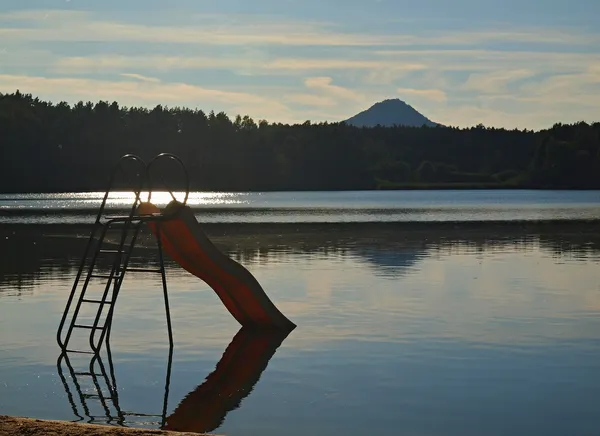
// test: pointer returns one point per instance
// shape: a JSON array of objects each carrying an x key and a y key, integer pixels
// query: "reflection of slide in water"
[
  {"x": 203, "y": 409},
  {"x": 183, "y": 239},
  {"x": 240, "y": 368}
]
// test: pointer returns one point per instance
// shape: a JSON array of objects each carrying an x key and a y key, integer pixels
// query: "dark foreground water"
[{"x": 457, "y": 328}]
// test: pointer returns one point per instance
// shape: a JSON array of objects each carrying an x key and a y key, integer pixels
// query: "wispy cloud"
[
  {"x": 322, "y": 93},
  {"x": 325, "y": 85},
  {"x": 581, "y": 89},
  {"x": 494, "y": 59},
  {"x": 495, "y": 82},
  {"x": 140, "y": 77},
  {"x": 61, "y": 26},
  {"x": 429, "y": 94},
  {"x": 142, "y": 92},
  {"x": 252, "y": 65},
  {"x": 300, "y": 64},
  {"x": 310, "y": 100},
  {"x": 394, "y": 63},
  {"x": 68, "y": 26}
]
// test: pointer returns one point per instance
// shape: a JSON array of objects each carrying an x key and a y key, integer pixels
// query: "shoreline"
[{"x": 16, "y": 426}]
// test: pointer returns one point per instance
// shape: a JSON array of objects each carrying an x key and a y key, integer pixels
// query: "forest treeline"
[{"x": 47, "y": 147}]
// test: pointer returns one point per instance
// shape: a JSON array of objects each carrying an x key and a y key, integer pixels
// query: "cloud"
[
  {"x": 69, "y": 26},
  {"x": 339, "y": 63},
  {"x": 108, "y": 62},
  {"x": 310, "y": 100},
  {"x": 143, "y": 92},
  {"x": 249, "y": 64},
  {"x": 324, "y": 85},
  {"x": 495, "y": 82},
  {"x": 384, "y": 69},
  {"x": 384, "y": 76},
  {"x": 525, "y": 110},
  {"x": 493, "y": 60},
  {"x": 581, "y": 89},
  {"x": 140, "y": 77},
  {"x": 429, "y": 94}
]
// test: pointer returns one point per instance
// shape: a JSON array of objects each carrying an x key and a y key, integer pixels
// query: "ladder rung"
[
  {"x": 103, "y": 251},
  {"x": 148, "y": 270},
  {"x": 120, "y": 217},
  {"x": 85, "y": 300},
  {"x": 80, "y": 351},
  {"x": 89, "y": 327},
  {"x": 83, "y": 373},
  {"x": 104, "y": 276},
  {"x": 133, "y": 217}
]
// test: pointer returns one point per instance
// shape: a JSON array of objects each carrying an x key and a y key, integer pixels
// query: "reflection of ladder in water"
[
  {"x": 96, "y": 249},
  {"x": 98, "y": 392},
  {"x": 105, "y": 398}
]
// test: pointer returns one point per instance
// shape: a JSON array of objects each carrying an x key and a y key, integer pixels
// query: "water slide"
[{"x": 184, "y": 240}]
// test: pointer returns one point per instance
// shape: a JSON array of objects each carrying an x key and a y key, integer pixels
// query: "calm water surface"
[{"x": 445, "y": 328}]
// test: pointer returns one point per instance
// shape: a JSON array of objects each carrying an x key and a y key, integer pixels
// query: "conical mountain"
[{"x": 389, "y": 113}]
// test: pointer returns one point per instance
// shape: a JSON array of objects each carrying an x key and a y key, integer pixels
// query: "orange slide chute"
[{"x": 183, "y": 239}]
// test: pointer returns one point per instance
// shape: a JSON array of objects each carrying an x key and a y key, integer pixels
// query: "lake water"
[
  {"x": 331, "y": 207},
  {"x": 418, "y": 313}
]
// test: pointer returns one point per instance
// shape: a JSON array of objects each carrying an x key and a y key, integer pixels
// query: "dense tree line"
[{"x": 59, "y": 147}]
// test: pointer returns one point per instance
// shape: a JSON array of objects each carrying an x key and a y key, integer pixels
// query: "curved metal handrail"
[
  {"x": 142, "y": 179},
  {"x": 186, "y": 176}
]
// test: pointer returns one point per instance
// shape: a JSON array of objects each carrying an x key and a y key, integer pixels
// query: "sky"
[{"x": 511, "y": 63}]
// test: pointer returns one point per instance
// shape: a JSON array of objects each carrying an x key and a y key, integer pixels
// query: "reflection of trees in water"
[
  {"x": 573, "y": 240},
  {"x": 395, "y": 248},
  {"x": 36, "y": 253},
  {"x": 390, "y": 252},
  {"x": 20, "y": 265},
  {"x": 33, "y": 253}
]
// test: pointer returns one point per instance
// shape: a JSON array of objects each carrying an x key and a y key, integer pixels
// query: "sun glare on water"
[{"x": 162, "y": 198}]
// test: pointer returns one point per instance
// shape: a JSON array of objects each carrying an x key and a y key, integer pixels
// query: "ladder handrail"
[
  {"x": 186, "y": 175},
  {"x": 137, "y": 192},
  {"x": 142, "y": 178}
]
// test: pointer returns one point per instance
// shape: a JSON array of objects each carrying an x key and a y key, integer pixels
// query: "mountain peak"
[{"x": 390, "y": 112}]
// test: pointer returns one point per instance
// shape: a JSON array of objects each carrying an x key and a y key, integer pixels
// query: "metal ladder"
[{"x": 96, "y": 247}]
